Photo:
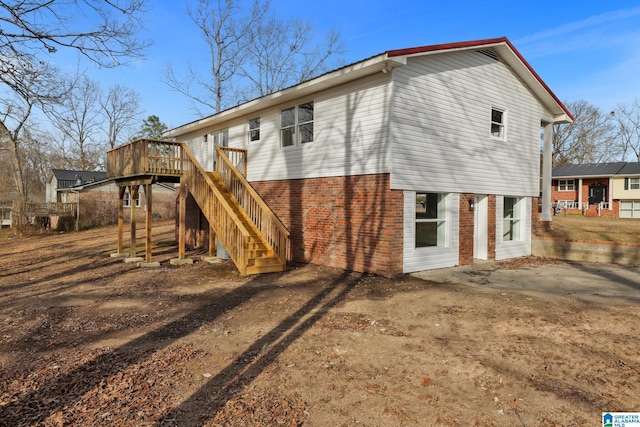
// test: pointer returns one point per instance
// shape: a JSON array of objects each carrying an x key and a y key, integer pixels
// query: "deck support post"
[
  {"x": 182, "y": 228},
  {"x": 120, "y": 251},
  {"x": 133, "y": 192},
  {"x": 182, "y": 220},
  {"x": 213, "y": 241},
  {"x": 121, "y": 191},
  {"x": 148, "y": 218}
]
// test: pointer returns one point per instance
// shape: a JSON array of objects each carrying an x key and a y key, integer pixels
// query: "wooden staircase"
[
  {"x": 259, "y": 257},
  {"x": 253, "y": 236}
]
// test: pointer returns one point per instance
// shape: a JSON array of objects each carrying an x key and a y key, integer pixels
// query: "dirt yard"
[{"x": 88, "y": 340}]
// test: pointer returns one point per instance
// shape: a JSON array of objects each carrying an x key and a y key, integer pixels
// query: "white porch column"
[
  {"x": 610, "y": 191},
  {"x": 580, "y": 192},
  {"x": 547, "y": 153}
]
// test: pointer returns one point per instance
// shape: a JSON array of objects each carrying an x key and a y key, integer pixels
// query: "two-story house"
[{"x": 412, "y": 159}]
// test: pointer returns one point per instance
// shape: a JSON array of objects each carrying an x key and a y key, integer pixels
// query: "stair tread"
[{"x": 260, "y": 259}]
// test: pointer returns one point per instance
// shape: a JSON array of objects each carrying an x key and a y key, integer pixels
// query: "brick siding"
[{"x": 350, "y": 222}]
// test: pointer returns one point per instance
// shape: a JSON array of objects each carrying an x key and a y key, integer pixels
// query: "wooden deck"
[{"x": 252, "y": 235}]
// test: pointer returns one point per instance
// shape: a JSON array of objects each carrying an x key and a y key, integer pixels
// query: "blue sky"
[{"x": 582, "y": 49}]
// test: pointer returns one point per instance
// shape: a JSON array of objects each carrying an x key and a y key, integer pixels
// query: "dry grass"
[{"x": 575, "y": 227}]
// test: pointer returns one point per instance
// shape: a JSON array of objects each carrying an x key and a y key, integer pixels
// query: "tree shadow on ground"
[{"x": 64, "y": 391}]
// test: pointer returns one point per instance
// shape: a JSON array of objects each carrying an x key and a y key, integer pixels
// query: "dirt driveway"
[{"x": 86, "y": 339}]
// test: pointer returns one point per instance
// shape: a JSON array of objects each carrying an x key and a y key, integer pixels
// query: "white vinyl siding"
[
  {"x": 513, "y": 248},
  {"x": 417, "y": 259},
  {"x": 441, "y": 120},
  {"x": 350, "y": 135}
]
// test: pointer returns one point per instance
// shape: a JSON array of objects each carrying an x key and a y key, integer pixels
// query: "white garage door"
[{"x": 630, "y": 209}]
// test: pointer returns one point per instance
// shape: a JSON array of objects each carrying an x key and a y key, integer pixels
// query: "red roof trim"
[{"x": 479, "y": 43}]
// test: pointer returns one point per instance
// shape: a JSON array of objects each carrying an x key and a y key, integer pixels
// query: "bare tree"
[
  {"x": 121, "y": 108},
  {"x": 106, "y": 34},
  {"x": 589, "y": 139},
  {"x": 250, "y": 53},
  {"x": 627, "y": 118},
  {"x": 281, "y": 53},
  {"x": 30, "y": 85},
  {"x": 31, "y": 32},
  {"x": 79, "y": 122}
]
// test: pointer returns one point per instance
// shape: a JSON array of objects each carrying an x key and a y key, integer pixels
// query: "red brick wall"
[
  {"x": 491, "y": 246},
  {"x": 566, "y": 195},
  {"x": 467, "y": 229},
  {"x": 352, "y": 222},
  {"x": 467, "y": 224}
]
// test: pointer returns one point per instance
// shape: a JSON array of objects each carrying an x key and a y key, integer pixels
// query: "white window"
[
  {"x": 630, "y": 209},
  {"x": 632, "y": 183},
  {"x": 566, "y": 185},
  {"x": 127, "y": 200},
  {"x": 498, "y": 123},
  {"x": 296, "y": 125},
  {"x": 254, "y": 129},
  {"x": 221, "y": 138},
  {"x": 431, "y": 219},
  {"x": 512, "y": 219}
]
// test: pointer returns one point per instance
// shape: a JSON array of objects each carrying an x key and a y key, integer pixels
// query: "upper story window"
[
  {"x": 632, "y": 183},
  {"x": 498, "y": 123},
  {"x": 566, "y": 185},
  {"x": 221, "y": 138},
  {"x": 431, "y": 219},
  {"x": 254, "y": 129},
  {"x": 296, "y": 125},
  {"x": 512, "y": 219}
]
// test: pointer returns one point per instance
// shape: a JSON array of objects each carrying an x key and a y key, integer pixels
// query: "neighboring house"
[
  {"x": 409, "y": 160},
  {"x": 62, "y": 179},
  {"x": 598, "y": 189},
  {"x": 99, "y": 197}
]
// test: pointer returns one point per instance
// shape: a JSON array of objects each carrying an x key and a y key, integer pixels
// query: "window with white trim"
[
  {"x": 254, "y": 129},
  {"x": 566, "y": 185},
  {"x": 511, "y": 219},
  {"x": 431, "y": 220},
  {"x": 632, "y": 183},
  {"x": 296, "y": 125},
  {"x": 127, "y": 200},
  {"x": 630, "y": 209},
  {"x": 498, "y": 123}
]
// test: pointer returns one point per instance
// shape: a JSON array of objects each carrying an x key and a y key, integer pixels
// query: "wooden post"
[
  {"x": 133, "y": 196},
  {"x": 149, "y": 218},
  {"x": 213, "y": 241},
  {"x": 121, "y": 191},
  {"x": 183, "y": 214}
]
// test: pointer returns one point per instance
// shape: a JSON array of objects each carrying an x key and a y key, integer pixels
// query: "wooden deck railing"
[
  {"x": 237, "y": 157},
  {"x": 213, "y": 204},
  {"x": 260, "y": 214},
  {"x": 46, "y": 208},
  {"x": 145, "y": 157}
]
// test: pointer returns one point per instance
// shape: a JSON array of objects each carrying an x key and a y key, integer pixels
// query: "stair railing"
[
  {"x": 272, "y": 229},
  {"x": 223, "y": 220}
]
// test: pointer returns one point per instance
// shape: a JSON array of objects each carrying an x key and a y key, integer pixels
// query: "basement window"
[
  {"x": 512, "y": 219},
  {"x": 431, "y": 212}
]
